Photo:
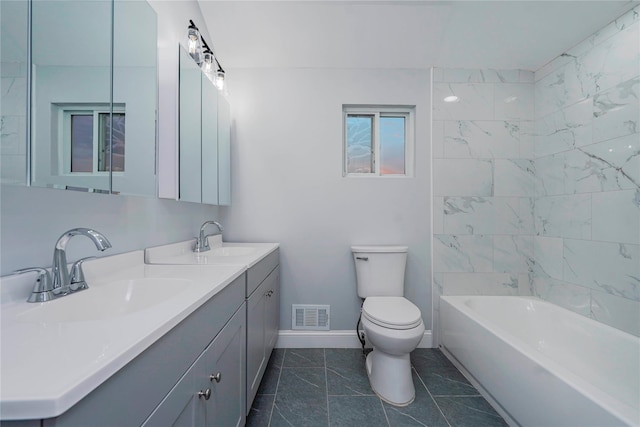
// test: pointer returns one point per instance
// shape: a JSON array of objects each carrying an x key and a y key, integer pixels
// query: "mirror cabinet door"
[
  {"x": 190, "y": 129},
  {"x": 209, "y": 142},
  {"x": 134, "y": 98},
  {"x": 71, "y": 94},
  {"x": 14, "y": 21},
  {"x": 63, "y": 116},
  {"x": 224, "y": 152}
]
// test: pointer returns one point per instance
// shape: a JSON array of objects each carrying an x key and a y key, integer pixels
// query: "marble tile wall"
[
  {"x": 587, "y": 185},
  {"x": 13, "y": 124},
  {"x": 537, "y": 179},
  {"x": 484, "y": 183}
]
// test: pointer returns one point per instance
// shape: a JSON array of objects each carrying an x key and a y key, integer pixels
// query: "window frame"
[
  {"x": 64, "y": 136},
  {"x": 406, "y": 112}
]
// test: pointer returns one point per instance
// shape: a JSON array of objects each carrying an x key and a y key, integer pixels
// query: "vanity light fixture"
[
  {"x": 205, "y": 58},
  {"x": 207, "y": 62},
  {"x": 193, "y": 42}
]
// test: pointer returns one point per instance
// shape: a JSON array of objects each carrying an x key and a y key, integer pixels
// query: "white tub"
[{"x": 542, "y": 364}]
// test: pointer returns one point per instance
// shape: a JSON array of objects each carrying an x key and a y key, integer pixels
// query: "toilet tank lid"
[{"x": 379, "y": 249}]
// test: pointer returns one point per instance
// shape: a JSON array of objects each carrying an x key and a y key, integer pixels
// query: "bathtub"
[{"x": 543, "y": 365}]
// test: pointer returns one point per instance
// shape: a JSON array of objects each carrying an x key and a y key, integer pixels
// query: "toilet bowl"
[
  {"x": 394, "y": 327},
  {"x": 392, "y": 324}
]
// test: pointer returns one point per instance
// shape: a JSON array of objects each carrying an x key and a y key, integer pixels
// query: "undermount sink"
[
  {"x": 113, "y": 299},
  {"x": 231, "y": 251}
]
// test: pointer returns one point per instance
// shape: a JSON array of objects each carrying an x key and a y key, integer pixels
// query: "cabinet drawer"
[{"x": 259, "y": 272}]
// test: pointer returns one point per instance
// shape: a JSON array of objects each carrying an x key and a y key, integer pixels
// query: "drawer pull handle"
[
  {"x": 363, "y": 258},
  {"x": 206, "y": 394},
  {"x": 217, "y": 377}
]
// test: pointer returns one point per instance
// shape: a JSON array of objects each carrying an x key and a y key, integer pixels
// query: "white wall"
[
  {"x": 31, "y": 219},
  {"x": 288, "y": 185}
]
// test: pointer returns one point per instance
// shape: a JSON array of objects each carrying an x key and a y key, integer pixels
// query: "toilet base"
[{"x": 390, "y": 377}]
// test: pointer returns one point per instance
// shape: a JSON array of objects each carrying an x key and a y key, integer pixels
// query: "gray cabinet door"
[
  {"x": 182, "y": 407},
  {"x": 226, "y": 374},
  {"x": 263, "y": 318}
]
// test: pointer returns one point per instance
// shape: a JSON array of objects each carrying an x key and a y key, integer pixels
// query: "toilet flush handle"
[{"x": 363, "y": 258}]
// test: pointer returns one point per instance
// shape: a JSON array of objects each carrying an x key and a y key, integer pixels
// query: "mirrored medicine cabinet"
[
  {"x": 80, "y": 113},
  {"x": 204, "y": 146}
]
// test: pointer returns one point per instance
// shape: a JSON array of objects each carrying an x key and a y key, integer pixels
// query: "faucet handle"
[
  {"x": 42, "y": 289},
  {"x": 77, "y": 281}
]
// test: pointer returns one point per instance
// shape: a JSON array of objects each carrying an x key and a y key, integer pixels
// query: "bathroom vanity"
[
  {"x": 189, "y": 345},
  {"x": 262, "y": 293}
]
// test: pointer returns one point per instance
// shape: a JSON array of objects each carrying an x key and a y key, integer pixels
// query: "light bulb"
[
  {"x": 451, "y": 98},
  {"x": 207, "y": 63},
  {"x": 219, "y": 81}
]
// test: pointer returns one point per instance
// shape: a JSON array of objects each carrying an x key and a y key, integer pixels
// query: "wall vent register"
[{"x": 310, "y": 317}]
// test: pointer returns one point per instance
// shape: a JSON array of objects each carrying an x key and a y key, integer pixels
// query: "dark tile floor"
[{"x": 329, "y": 387}]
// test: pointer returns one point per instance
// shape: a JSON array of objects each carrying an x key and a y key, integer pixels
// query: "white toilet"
[{"x": 392, "y": 323}]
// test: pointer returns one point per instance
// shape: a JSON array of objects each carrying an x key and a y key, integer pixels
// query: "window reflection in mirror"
[{"x": 71, "y": 88}]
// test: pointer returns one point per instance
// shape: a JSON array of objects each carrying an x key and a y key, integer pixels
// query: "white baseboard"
[{"x": 330, "y": 339}]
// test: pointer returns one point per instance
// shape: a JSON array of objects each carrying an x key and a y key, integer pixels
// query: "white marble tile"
[
  {"x": 564, "y": 216},
  {"x": 481, "y": 139},
  {"x": 615, "y": 60},
  {"x": 13, "y": 69},
  {"x": 13, "y": 137},
  {"x": 526, "y": 76},
  {"x": 462, "y": 177},
  {"x": 513, "y": 254},
  {"x": 630, "y": 18},
  {"x": 480, "y": 284},
  {"x": 513, "y": 101},
  {"x": 462, "y": 253},
  {"x": 616, "y": 216},
  {"x": 568, "y": 295},
  {"x": 527, "y": 139},
  {"x": 550, "y": 175},
  {"x": 607, "y": 267},
  {"x": 548, "y": 255},
  {"x": 559, "y": 89},
  {"x": 620, "y": 313},
  {"x": 13, "y": 96},
  {"x": 513, "y": 177},
  {"x": 464, "y": 75},
  {"x": 437, "y": 135},
  {"x": 617, "y": 111},
  {"x": 565, "y": 129},
  {"x": 487, "y": 215},
  {"x": 475, "y": 101},
  {"x": 605, "y": 166},
  {"x": 13, "y": 169},
  {"x": 438, "y": 215}
]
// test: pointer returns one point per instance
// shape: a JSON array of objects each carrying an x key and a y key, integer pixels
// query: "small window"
[
  {"x": 86, "y": 134},
  {"x": 378, "y": 141}
]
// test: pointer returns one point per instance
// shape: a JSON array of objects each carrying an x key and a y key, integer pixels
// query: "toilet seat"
[{"x": 392, "y": 312}]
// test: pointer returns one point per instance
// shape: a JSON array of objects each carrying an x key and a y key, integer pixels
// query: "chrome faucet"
[
  {"x": 202, "y": 242},
  {"x": 46, "y": 288}
]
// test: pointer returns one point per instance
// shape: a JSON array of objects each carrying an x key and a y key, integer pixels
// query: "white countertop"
[
  {"x": 182, "y": 253},
  {"x": 49, "y": 366}
]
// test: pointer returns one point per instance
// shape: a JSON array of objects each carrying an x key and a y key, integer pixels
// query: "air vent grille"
[{"x": 310, "y": 317}]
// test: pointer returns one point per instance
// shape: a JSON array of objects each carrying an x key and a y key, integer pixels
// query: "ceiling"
[{"x": 401, "y": 34}]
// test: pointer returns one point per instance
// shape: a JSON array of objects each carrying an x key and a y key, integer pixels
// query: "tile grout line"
[
  {"x": 275, "y": 395},
  {"x": 431, "y": 396},
  {"x": 326, "y": 385}
]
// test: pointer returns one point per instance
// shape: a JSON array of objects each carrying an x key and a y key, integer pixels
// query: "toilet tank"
[{"x": 380, "y": 270}]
